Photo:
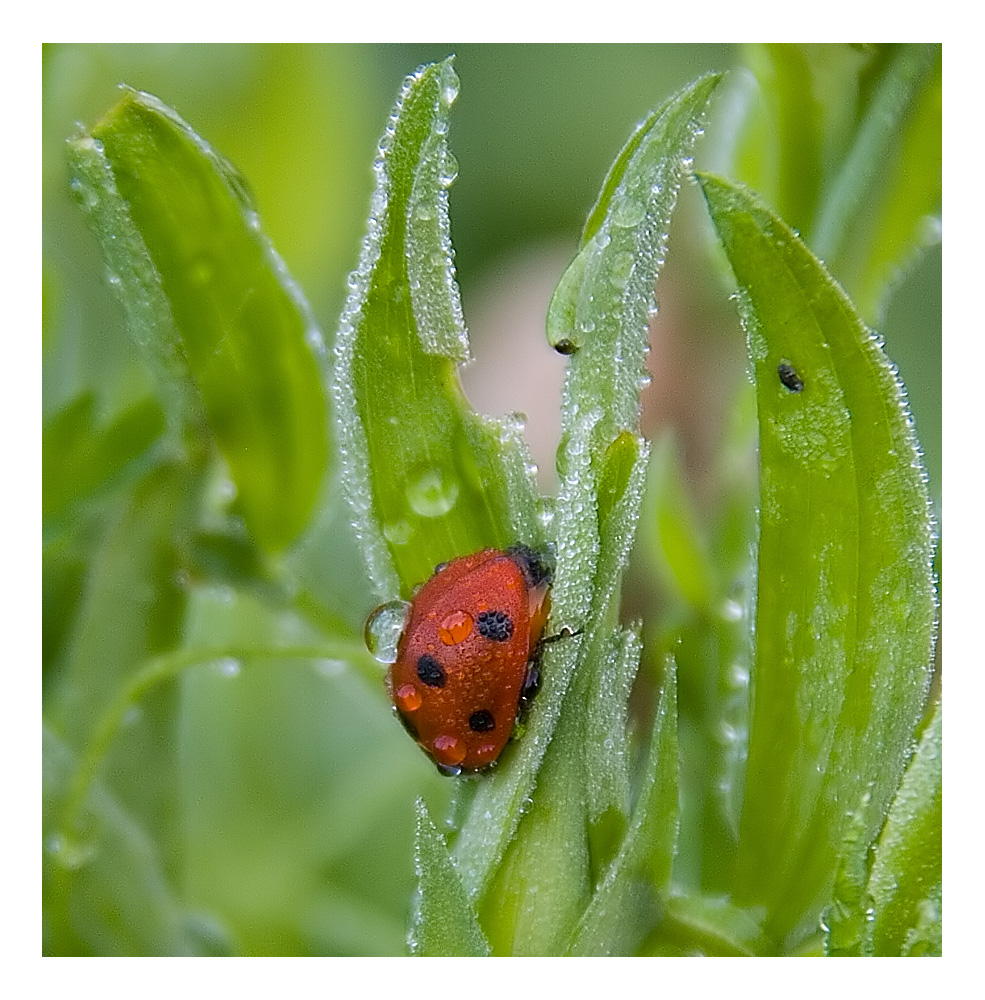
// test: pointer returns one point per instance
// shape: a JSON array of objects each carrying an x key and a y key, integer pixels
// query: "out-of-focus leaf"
[
  {"x": 104, "y": 887},
  {"x": 426, "y": 477},
  {"x": 133, "y": 602},
  {"x": 884, "y": 205},
  {"x": 211, "y": 305},
  {"x": 905, "y": 882},
  {"x": 800, "y": 124},
  {"x": 443, "y": 920},
  {"x": 844, "y": 624},
  {"x": 80, "y": 458}
]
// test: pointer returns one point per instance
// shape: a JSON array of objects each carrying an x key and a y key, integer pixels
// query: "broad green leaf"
[
  {"x": 211, "y": 305},
  {"x": 443, "y": 921},
  {"x": 627, "y": 900},
  {"x": 884, "y": 204},
  {"x": 602, "y": 309},
  {"x": 427, "y": 478},
  {"x": 844, "y": 621},
  {"x": 905, "y": 882}
]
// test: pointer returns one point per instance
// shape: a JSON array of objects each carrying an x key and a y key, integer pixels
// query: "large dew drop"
[
  {"x": 384, "y": 628},
  {"x": 432, "y": 493}
]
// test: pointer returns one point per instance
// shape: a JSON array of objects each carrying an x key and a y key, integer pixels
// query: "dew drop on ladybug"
[{"x": 464, "y": 657}]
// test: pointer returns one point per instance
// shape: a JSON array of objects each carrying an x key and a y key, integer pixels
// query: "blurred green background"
[{"x": 268, "y": 809}]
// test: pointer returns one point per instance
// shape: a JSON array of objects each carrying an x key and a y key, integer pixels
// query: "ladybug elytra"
[{"x": 465, "y": 659}]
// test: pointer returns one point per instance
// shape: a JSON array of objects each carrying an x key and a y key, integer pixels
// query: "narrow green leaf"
[
  {"x": 906, "y": 871},
  {"x": 627, "y": 901},
  {"x": 875, "y": 214},
  {"x": 133, "y": 602},
  {"x": 844, "y": 624},
  {"x": 211, "y": 304},
  {"x": 443, "y": 920},
  {"x": 602, "y": 308},
  {"x": 541, "y": 884},
  {"x": 427, "y": 479}
]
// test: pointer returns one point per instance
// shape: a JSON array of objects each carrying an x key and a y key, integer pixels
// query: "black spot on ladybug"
[
  {"x": 535, "y": 567},
  {"x": 495, "y": 625},
  {"x": 481, "y": 721},
  {"x": 789, "y": 377},
  {"x": 430, "y": 671},
  {"x": 565, "y": 346}
]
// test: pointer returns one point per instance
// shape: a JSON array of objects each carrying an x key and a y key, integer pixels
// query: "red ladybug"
[{"x": 464, "y": 660}]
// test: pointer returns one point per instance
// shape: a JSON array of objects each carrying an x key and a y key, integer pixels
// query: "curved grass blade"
[
  {"x": 427, "y": 478},
  {"x": 212, "y": 306},
  {"x": 845, "y": 617}
]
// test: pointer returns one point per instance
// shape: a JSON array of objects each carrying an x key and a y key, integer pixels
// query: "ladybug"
[{"x": 467, "y": 657}]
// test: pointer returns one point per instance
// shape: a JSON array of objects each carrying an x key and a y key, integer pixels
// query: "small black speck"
[
  {"x": 429, "y": 670},
  {"x": 565, "y": 346},
  {"x": 481, "y": 721},
  {"x": 789, "y": 377},
  {"x": 495, "y": 625}
]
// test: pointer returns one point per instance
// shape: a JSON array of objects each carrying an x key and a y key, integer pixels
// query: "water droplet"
[
  {"x": 398, "y": 532},
  {"x": 455, "y": 628},
  {"x": 731, "y": 610},
  {"x": 384, "y": 628},
  {"x": 424, "y": 210},
  {"x": 408, "y": 698},
  {"x": 448, "y": 85},
  {"x": 449, "y": 169},
  {"x": 627, "y": 212},
  {"x": 448, "y": 750},
  {"x": 131, "y": 716},
  {"x": 432, "y": 493},
  {"x": 228, "y": 666},
  {"x": 70, "y": 851},
  {"x": 330, "y": 667},
  {"x": 622, "y": 266}
]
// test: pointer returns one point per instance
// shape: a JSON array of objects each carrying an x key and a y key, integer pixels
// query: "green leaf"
[
  {"x": 133, "y": 603},
  {"x": 443, "y": 920},
  {"x": 427, "y": 478},
  {"x": 210, "y": 303},
  {"x": 105, "y": 891},
  {"x": 844, "y": 623},
  {"x": 905, "y": 882},
  {"x": 884, "y": 204},
  {"x": 602, "y": 308},
  {"x": 626, "y": 903},
  {"x": 81, "y": 459}
]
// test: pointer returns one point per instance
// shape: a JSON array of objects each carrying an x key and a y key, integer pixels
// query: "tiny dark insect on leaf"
[{"x": 789, "y": 377}]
